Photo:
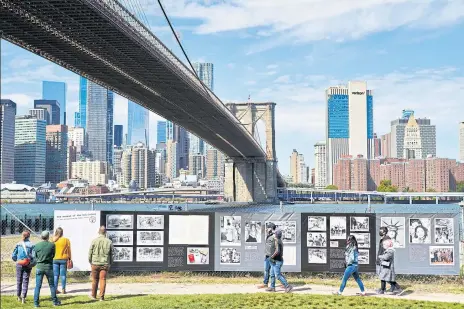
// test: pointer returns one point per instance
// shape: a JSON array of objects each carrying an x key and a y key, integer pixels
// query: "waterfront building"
[
  {"x": 95, "y": 172},
  {"x": 56, "y": 154},
  {"x": 39, "y": 113},
  {"x": 143, "y": 166},
  {"x": 56, "y": 91},
  {"x": 7, "y": 140},
  {"x": 118, "y": 135},
  {"x": 53, "y": 110},
  {"x": 77, "y": 136},
  {"x": 197, "y": 165},
  {"x": 320, "y": 165},
  {"x": 171, "y": 162}
]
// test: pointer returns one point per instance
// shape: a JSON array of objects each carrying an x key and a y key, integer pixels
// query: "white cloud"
[
  {"x": 283, "y": 79},
  {"x": 250, "y": 82},
  {"x": 231, "y": 65},
  {"x": 20, "y": 63},
  {"x": 272, "y": 66},
  {"x": 24, "y": 102}
]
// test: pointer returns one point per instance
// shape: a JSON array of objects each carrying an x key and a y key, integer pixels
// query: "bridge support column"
[{"x": 250, "y": 181}]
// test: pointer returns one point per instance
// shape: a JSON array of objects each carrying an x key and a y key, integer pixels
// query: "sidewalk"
[{"x": 183, "y": 289}]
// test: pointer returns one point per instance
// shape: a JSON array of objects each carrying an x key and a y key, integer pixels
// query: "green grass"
[{"x": 233, "y": 301}]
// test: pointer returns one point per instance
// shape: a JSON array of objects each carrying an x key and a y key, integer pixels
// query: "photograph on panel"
[
  {"x": 122, "y": 254},
  {"x": 122, "y": 222},
  {"x": 443, "y": 255},
  {"x": 337, "y": 227},
  {"x": 359, "y": 224},
  {"x": 396, "y": 230},
  {"x": 317, "y": 256},
  {"x": 334, "y": 244},
  {"x": 121, "y": 238},
  {"x": 149, "y": 254},
  {"x": 444, "y": 231},
  {"x": 253, "y": 232},
  {"x": 231, "y": 229},
  {"x": 150, "y": 222},
  {"x": 316, "y": 239},
  {"x": 317, "y": 223},
  {"x": 363, "y": 239},
  {"x": 363, "y": 257},
  {"x": 230, "y": 256},
  {"x": 150, "y": 238},
  {"x": 420, "y": 230},
  {"x": 197, "y": 256},
  {"x": 288, "y": 229}
]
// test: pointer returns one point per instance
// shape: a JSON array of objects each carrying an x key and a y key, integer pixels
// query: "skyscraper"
[
  {"x": 82, "y": 102},
  {"x": 99, "y": 123},
  {"x": 427, "y": 137},
  {"x": 179, "y": 135},
  {"x": 77, "y": 119},
  {"x": 161, "y": 132},
  {"x": 53, "y": 110},
  {"x": 77, "y": 136},
  {"x": 412, "y": 148},
  {"x": 320, "y": 166},
  {"x": 118, "y": 135},
  {"x": 7, "y": 140},
  {"x": 349, "y": 123},
  {"x": 143, "y": 166},
  {"x": 197, "y": 145},
  {"x": 461, "y": 141},
  {"x": 205, "y": 72},
  {"x": 172, "y": 159},
  {"x": 56, "y": 154},
  {"x": 138, "y": 124},
  {"x": 294, "y": 166},
  {"x": 215, "y": 161},
  {"x": 30, "y": 150},
  {"x": 56, "y": 91},
  {"x": 197, "y": 165}
]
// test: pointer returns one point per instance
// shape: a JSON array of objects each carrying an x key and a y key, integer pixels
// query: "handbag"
[
  {"x": 385, "y": 264},
  {"x": 69, "y": 264},
  {"x": 27, "y": 261}
]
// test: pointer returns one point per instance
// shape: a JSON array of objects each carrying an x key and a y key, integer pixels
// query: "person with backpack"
[
  {"x": 277, "y": 260},
  {"x": 351, "y": 261},
  {"x": 22, "y": 255},
  {"x": 269, "y": 242},
  {"x": 62, "y": 260}
]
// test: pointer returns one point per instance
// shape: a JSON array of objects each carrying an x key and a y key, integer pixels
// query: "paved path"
[{"x": 183, "y": 289}]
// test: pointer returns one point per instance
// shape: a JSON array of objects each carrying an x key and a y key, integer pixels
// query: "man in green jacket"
[
  {"x": 43, "y": 254},
  {"x": 100, "y": 258}
]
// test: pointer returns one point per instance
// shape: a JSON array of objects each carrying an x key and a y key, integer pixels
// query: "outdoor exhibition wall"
[{"x": 203, "y": 241}]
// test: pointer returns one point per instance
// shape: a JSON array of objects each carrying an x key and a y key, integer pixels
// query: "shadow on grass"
[{"x": 68, "y": 300}]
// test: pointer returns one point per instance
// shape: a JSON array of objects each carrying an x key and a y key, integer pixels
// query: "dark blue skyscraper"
[
  {"x": 118, "y": 135},
  {"x": 161, "y": 132},
  {"x": 56, "y": 91},
  {"x": 138, "y": 124},
  {"x": 83, "y": 102},
  {"x": 53, "y": 110}
]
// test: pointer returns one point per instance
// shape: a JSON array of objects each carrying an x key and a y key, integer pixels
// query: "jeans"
[
  {"x": 267, "y": 269},
  {"x": 39, "y": 275},
  {"x": 351, "y": 270},
  {"x": 22, "y": 280},
  {"x": 275, "y": 272},
  {"x": 60, "y": 270},
  {"x": 99, "y": 273}
]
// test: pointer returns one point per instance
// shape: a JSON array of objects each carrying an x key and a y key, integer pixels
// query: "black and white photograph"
[
  {"x": 334, "y": 244},
  {"x": 363, "y": 239},
  {"x": 150, "y": 222},
  {"x": 317, "y": 256},
  {"x": 396, "y": 230},
  {"x": 121, "y": 238},
  {"x": 363, "y": 256},
  {"x": 337, "y": 227},
  {"x": 441, "y": 255},
  {"x": 420, "y": 231},
  {"x": 444, "y": 231},
  {"x": 231, "y": 228},
  {"x": 253, "y": 232},
  {"x": 122, "y": 254},
  {"x": 149, "y": 254},
  {"x": 288, "y": 229},
  {"x": 197, "y": 256},
  {"x": 230, "y": 256},
  {"x": 359, "y": 224},
  {"x": 316, "y": 239},
  {"x": 317, "y": 223},
  {"x": 150, "y": 238},
  {"x": 121, "y": 222}
]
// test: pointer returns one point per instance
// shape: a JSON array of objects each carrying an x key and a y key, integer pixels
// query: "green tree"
[
  {"x": 431, "y": 190},
  {"x": 386, "y": 186},
  {"x": 460, "y": 186},
  {"x": 331, "y": 187}
]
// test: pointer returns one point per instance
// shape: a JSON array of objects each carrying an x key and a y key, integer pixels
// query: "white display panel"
[
  {"x": 188, "y": 230},
  {"x": 81, "y": 227}
]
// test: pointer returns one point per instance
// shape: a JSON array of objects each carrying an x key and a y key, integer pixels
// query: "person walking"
[
  {"x": 383, "y": 233},
  {"x": 351, "y": 261},
  {"x": 61, "y": 260},
  {"x": 267, "y": 254},
  {"x": 277, "y": 260},
  {"x": 43, "y": 254},
  {"x": 100, "y": 259},
  {"x": 387, "y": 269},
  {"x": 22, "y": 255}
]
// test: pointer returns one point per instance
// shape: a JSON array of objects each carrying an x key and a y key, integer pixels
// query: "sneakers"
[
  {"x": 262, "y": 286},
  {"x": 288, "y": 289},
  {"x": 23, "y": 300},
  {"x": 270, "y": 290},
  {"x": 398, "y": 292},
  {"x": 58, "y": 291},
  {"x": 64, "y": 291},
  {"x": 57, "y": 304},
  {"x": 102, "y": 298},
  {"x": 19, "y": 299},
  {"x": 336, "y": 293},
  {"x": 380, "y": 292},
  {"x": 361, "y": 293},
  {"x": 92, "y": 298}
]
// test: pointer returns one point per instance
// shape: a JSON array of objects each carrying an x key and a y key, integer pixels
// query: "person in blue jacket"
[
  {"x": 23, "y": 256},
  {"x": 351, "y": 260}
]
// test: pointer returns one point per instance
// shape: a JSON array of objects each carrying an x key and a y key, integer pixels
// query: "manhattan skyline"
[{"x": 402, "y": 72}]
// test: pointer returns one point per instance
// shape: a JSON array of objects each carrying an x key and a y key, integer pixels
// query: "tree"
[
  {"x": 460, "y": 186},
  {"x": 431, "y": 190},
  {"x": 386, "y": 186},
  {"x": 331, "y": 187}
]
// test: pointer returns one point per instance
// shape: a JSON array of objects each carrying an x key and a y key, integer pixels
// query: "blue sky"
[{"x": 410, "y": 52}]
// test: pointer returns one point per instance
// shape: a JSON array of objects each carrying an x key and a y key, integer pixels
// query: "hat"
[{"x": 45, "y": 234}]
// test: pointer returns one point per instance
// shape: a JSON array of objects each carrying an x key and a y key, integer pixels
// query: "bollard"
[
  {"x": 50, "y": 224},
  {"x": 44, "y": 224},
  {"x": 37, "y": 224},
  {"x": 4, "y": 224},
  {"x": 12, "y": 227}
]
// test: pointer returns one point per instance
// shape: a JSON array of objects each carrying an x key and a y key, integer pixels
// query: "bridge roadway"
[{"x": 102, "y": 41}]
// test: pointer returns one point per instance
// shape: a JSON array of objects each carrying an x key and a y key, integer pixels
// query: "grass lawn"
[{"x": 234, "y": 301}]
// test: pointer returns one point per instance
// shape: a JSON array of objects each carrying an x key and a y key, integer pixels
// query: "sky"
[{"x": 410, "y": 53}]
